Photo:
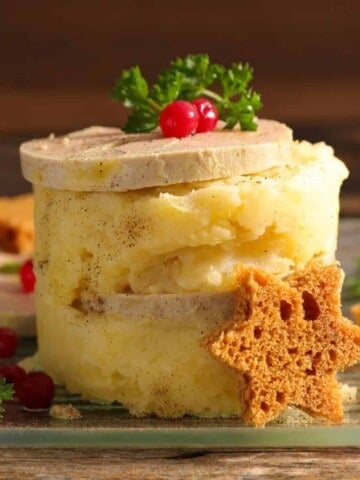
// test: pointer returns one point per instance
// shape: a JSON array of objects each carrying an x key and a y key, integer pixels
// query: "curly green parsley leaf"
[
  {"x": 6, "y": 393},
  {"x": 186, "y": 79}
]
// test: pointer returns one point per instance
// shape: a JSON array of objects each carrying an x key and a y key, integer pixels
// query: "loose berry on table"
[
  {"x": 12, "y": 373},
  {"x": 8, "y": 342},
  {"x": 36, "y": 390}
]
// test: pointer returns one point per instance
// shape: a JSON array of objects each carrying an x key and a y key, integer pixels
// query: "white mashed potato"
[
  {"x": 188, "y": 237},
  {"x": 175, "y": 239}
]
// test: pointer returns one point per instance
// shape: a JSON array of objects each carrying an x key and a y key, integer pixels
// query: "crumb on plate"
[{"x": 64, "y": 412}]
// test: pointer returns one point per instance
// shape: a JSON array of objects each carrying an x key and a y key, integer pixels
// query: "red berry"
[
  {"x": 8, "y": 342},
  {"x": 208, "y": 115},
  {"x": 179, "y": 119},
  {"x": 12, "y": 373},
  {"x": 27, "y": 276},
  {"x": 36, "y": 390}
]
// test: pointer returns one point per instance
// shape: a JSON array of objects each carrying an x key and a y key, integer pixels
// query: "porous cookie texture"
[{"x": 287, "y": 339}]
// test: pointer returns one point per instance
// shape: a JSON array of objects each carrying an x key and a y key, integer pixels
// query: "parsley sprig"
[
  {"x": 186, "y": 79},
  {"x": 6, "y": 393}
]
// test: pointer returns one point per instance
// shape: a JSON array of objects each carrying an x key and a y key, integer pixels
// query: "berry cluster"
[
  {"x": 181, "y": 119},
  {"x": 34, "y": 390}
]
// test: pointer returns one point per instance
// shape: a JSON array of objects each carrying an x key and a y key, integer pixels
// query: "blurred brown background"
[{"x": 59, "y": 61}]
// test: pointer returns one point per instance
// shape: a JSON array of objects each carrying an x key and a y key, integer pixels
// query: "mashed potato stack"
[{"x": 171, "y": 239}]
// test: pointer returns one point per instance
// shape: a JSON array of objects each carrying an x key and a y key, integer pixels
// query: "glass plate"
[{"x": 112, "y": 426}]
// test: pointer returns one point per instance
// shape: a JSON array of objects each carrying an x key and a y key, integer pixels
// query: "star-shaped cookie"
[{"x": 288, "y": 339}]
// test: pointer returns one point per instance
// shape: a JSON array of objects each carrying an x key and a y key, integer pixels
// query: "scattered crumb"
[
  {"x": 355, "y": 311},
  {"x": 65, "y": 412},
  {"x": 348, "y": 394}
]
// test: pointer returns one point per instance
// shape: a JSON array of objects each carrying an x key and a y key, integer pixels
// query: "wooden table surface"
[
  {"x": 339, "y": 464},
  {"x": 151, "y": 464}
]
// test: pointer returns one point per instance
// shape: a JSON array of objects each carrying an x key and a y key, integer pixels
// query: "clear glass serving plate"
[{"x": 111, "y": 426}]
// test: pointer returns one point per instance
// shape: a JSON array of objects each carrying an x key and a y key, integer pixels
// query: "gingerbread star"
[{"x": 288, "y": 339}]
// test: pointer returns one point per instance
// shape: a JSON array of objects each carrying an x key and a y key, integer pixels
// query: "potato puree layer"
[
  {"x": 175, "y": 239},
  {"x": 148, "y": 365},
  {"x": 188, "y": 237}
]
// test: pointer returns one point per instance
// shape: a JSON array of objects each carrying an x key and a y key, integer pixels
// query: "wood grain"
[{"x": 334, "y": 464}]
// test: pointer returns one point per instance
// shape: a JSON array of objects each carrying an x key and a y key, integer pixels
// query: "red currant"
[
  {"x": 27, "y": 276},
  {"x": 179, "y": 119},
  {"x": 208, "y": 115},
  {"x": 36, "y": 390},
  {"x": 12, "y": 373},
  {"x": 8, "y": 342}
]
